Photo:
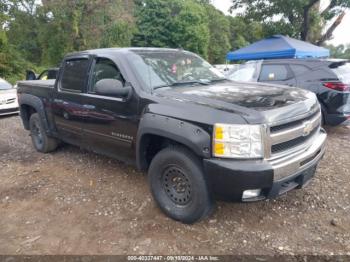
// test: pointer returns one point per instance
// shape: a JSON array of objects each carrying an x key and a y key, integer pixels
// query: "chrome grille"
[
  {"x": 293, "y": 136},
  {"x": 291, "y": 143},
  {"x": 10, "y": 101},
  {"x": 292, "y": 124},
  {"x": 7, "y": 101}
]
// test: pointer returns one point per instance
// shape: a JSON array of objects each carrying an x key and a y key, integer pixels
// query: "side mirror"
[{"x": 112, "y": 87}]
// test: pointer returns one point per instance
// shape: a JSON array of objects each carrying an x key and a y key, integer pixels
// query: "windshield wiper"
[{"x": 182, "y": 84}]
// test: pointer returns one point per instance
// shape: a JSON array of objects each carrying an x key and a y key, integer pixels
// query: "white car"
[{"x": 8, "y": 98}]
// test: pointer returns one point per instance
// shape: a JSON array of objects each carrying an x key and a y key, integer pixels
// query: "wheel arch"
[
  {"x": 156, "y": 132},
  {"x": 30, "y": 104}
]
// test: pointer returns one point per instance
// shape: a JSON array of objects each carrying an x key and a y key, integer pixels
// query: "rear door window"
[
  {"x": 75, "y": 74},
  {"x": 343, "y": 73},
  {"x": 274, "y": 73},
  {"x": 52, "y": 74}
]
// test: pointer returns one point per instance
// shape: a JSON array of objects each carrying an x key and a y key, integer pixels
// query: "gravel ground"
[{"x": 77, "y": 202}]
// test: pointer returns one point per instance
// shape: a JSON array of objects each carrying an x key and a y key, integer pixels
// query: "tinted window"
[
  {"x": 52, "y": 74},
  {"x": 299, "y": 69},
  {"x": 75, "y": 74},
  {"x": 105, "y": 69},
  {"x": 274, "y": 73}
]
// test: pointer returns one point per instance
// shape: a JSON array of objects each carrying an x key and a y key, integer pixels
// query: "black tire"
[
  {"x": 41, "y": 141},
  {"x": 179, "y": 186}
]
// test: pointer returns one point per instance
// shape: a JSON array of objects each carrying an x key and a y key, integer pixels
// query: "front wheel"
[
  {"x": 179, "y": 186},
  {"x": 41, "y": 141}
]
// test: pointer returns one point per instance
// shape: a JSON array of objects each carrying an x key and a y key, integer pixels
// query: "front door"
[{"x": 110, "y": 126}]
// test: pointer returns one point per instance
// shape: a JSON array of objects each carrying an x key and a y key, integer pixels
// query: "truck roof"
[
  {"x": 310, "y": 62},
  {"x": 120, "y": 50},
  {"x": 306, "y": 60}
]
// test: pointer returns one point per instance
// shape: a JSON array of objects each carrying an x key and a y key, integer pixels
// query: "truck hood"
[{"x": 255, "y": 102}]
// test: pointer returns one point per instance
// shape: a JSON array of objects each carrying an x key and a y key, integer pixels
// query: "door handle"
[{"x": 91, "y": 107}]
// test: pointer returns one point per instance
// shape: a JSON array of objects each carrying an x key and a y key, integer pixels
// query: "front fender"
[{"x": 185, "y": 133}]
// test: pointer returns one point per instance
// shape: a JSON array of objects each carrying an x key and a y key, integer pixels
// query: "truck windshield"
[
  {"x": 4, "y": 85},
  {"x": 172, "y": 68}
]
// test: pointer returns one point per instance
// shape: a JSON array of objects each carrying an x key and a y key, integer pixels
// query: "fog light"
[{"x": 251, "y": 193}]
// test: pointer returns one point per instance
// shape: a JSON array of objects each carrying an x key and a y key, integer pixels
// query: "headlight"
[{"x": 237, "y": 141}]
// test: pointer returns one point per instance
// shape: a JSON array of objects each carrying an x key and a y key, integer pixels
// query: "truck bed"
[
  {"x": 37, "y": 83},
  {"x": 39, "y": 88}
]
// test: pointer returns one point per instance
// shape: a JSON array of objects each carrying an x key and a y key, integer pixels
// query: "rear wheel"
[
  {"x": 41, "y": 141},
  {"x": 179, "y": 186}
]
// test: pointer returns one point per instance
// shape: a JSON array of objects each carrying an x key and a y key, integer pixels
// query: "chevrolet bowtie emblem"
[{"x": 307, "y": 128}]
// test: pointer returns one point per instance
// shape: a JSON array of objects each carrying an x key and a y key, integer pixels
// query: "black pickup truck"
[{"x": 198, "y": 135}]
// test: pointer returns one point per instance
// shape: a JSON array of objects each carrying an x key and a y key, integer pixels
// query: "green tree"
[
  {"x": 176, "y": 24},
  {"x": 340, "y": 51},
  {"x": 83, "y": 24},
  {"x": 243, "y": 32},
  {"x": 12, "y": 61},
  {"x": 23, "y": 29},
  {"x": 219, "y": 31},
  {"x": 3, "y": 19},
  {"x": 43, "y": 33},
  {"x": 3, "y": 42},
  {"x": 301, "y": 19}
]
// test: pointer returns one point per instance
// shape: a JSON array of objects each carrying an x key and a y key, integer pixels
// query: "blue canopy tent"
[{"x": 278, "y": 46}]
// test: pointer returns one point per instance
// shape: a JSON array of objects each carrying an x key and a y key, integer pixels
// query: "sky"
[{"x": 341, "y": 34}]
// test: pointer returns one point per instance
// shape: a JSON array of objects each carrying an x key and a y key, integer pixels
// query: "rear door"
[
  {"x": 306, "y": 77},
  {"x": 68, "y": 110},
  {"x": 280, "y": 74}
]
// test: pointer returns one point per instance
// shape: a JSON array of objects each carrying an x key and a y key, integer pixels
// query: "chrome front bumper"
[
  {"x": 299, "y": 161},
  {"x": 230, "y": 178}
]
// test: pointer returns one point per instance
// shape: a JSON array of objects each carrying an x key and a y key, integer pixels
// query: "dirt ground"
[{"x": 77, "y": 202}]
